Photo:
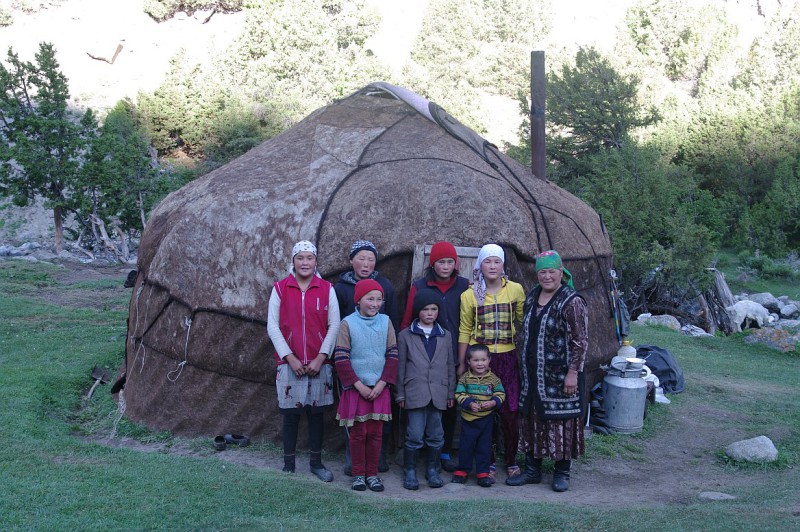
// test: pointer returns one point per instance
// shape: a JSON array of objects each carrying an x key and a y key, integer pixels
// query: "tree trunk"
[
  {"x": 59, "y": 227},
  {"x": 141, "y": 210},
  {"x": 101, "y": 226}
]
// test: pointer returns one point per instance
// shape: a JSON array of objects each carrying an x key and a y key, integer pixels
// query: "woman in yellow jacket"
[{"x": 490, "y": 313}]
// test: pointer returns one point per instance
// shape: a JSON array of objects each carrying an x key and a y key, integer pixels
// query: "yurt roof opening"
[{"x": 382, "y": 164}]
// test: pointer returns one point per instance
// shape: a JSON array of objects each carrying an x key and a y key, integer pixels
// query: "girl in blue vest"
[
  {"x": 302, "y": 323},
  {"x": 366, "y": 362}
]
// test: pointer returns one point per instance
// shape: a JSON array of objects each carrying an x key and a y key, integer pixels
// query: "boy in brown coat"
[{"x": 426, "y": 382}]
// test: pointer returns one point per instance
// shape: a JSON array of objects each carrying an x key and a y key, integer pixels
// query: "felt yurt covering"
[{"x": 384, "y": 165}]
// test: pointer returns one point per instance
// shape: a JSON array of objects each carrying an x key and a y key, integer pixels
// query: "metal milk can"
[{"x": 625, "y": 395}]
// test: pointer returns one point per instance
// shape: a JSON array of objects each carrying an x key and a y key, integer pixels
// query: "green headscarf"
[{"x": 551, "y": 259}]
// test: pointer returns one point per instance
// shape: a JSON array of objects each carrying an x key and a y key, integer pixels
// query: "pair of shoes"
[
  {"x": 359, "y": 484},
  {"x": 492, "y": 474},
  {"x": 237, "y": 439},
  {"x": 485, "y": 482},
  {"x": 375, "y": 483},
  {"x": 322, "y": 473},
  {"x": 459, "y": 477},
  {"x": 219, "y": 443}
]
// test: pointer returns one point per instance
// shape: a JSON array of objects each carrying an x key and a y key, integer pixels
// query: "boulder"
[
  {"x": 766, "y": 300},
  {"x": 775, "y": 337},
  {"x": 790, "y": 310},
  {"x": 665, "y": 320},
  {"x": 759, "y": 449}
]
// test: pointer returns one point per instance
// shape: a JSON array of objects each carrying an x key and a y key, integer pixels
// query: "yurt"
[{"x": 384, "y": 165}]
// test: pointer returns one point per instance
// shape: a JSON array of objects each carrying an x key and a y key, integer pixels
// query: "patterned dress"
[{"x": 541, "y": 434}]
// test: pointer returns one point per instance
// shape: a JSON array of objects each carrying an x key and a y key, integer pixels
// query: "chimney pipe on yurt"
[{"x": 383, "y": 164}]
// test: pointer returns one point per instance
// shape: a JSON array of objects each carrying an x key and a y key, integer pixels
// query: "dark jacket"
[
  {"x": 449, "y": 308},
  {"x": 422, "y": 379},
  {"x": 346, "y": 290}
]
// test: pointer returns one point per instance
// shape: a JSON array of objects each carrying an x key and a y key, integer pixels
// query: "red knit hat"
[
  {"x": 364, "y": 286},
  {"x": 443, "y": 250}
]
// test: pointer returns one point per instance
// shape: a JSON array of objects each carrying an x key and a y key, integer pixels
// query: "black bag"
[{"x": 664, "y": 366}]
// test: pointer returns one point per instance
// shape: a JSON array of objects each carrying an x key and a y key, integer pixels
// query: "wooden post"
[{"x": 538, "y": 83}]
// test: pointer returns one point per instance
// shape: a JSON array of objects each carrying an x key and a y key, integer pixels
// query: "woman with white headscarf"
[
  {"x": 302, "y": 324},
  {"x": 490, "y": 313}
]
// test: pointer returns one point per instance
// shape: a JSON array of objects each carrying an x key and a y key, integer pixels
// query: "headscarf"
[
  {"x": 551, "y": 259},
  {"x": 303, "y": 245},
  {"x": 479, "y": 283}
]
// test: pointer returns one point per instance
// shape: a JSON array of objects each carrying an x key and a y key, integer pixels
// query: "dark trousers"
[
  {"x": 475, "y": 444},
  {"x": 449, "y": 418},
  {"x": 291, "y": 422}
]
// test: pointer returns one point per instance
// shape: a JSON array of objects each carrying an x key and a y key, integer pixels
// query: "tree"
[
  {"x": 590, "y": 107},
  {"x": 41, "y": 139},
  {"x": 117, "y": 183}
]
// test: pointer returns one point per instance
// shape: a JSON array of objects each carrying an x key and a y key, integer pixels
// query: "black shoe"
[
  {"x": 237, "y": 439},
  {"x": 459, "y": 479},
  {"x": 322, "y": 473},
  {"x": 219, "y": 443},
  {"x": 485, "y": 482},
  {"x": 448, "y": 464},
  {"x": 375, "y": 483},
  {"x": 561, "y": 475}
]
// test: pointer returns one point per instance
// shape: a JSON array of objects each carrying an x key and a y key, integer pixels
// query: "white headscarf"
[
  {"x": 303, "y": 245},
  {"x": 479, "y": 283}
]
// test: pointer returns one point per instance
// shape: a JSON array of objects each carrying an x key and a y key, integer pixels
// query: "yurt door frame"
[{"x": 466, "y": 260}]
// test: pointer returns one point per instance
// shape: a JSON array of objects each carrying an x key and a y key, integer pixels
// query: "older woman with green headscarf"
[{"x": 552, "y": 358}]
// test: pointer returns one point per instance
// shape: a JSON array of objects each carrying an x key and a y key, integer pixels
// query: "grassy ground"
[{"x": 57, "y": 480}]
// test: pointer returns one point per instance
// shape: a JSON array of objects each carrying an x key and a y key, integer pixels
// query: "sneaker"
[
  {"x": 485, "y": 482},
  {"x": 375, "y": 483},
  {"x": 359, "y": 484}
]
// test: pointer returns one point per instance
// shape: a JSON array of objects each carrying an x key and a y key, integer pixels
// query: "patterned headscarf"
[
  {"x": 303, "y": 245},
  {"x": 551, "y": 259},
  {"x": 479, "y": 283}
]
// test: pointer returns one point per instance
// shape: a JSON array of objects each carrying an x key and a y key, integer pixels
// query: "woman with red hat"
[
  {"x": 366, "y": 362},
  {"x": 442, "y": 277}
]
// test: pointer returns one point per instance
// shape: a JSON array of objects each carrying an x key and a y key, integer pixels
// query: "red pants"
[{"x": 365, "y": 447}]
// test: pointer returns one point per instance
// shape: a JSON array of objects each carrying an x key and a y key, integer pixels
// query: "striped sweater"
[{"x": 476, "y": 388}]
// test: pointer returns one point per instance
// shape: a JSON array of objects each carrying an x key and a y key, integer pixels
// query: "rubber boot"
[
  {"x": 561, "y": 475},
  {"x": 410, "y": 481},
  {"x": 532, "y": 473},
  {"x": 432, "y": 468},
  {"x": 383, "y": 464}
]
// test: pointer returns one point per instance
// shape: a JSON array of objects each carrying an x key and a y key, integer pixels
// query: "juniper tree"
[{"x": 40, "y": 138}]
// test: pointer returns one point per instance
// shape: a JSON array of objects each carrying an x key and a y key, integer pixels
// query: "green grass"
[
  {"x": 56, "y": 480},
  {"x": 731, "y": 265}
]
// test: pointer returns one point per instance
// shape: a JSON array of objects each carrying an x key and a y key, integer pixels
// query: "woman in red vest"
[{"x": 302, "y": 323}]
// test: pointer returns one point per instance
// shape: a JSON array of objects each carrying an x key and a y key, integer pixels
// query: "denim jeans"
[{"x": 424, "y": 426}]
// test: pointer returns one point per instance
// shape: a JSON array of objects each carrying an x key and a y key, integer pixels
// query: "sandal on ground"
[
  {"x": 359, "y": 484},
  {"x": 375, "y": 483}
]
